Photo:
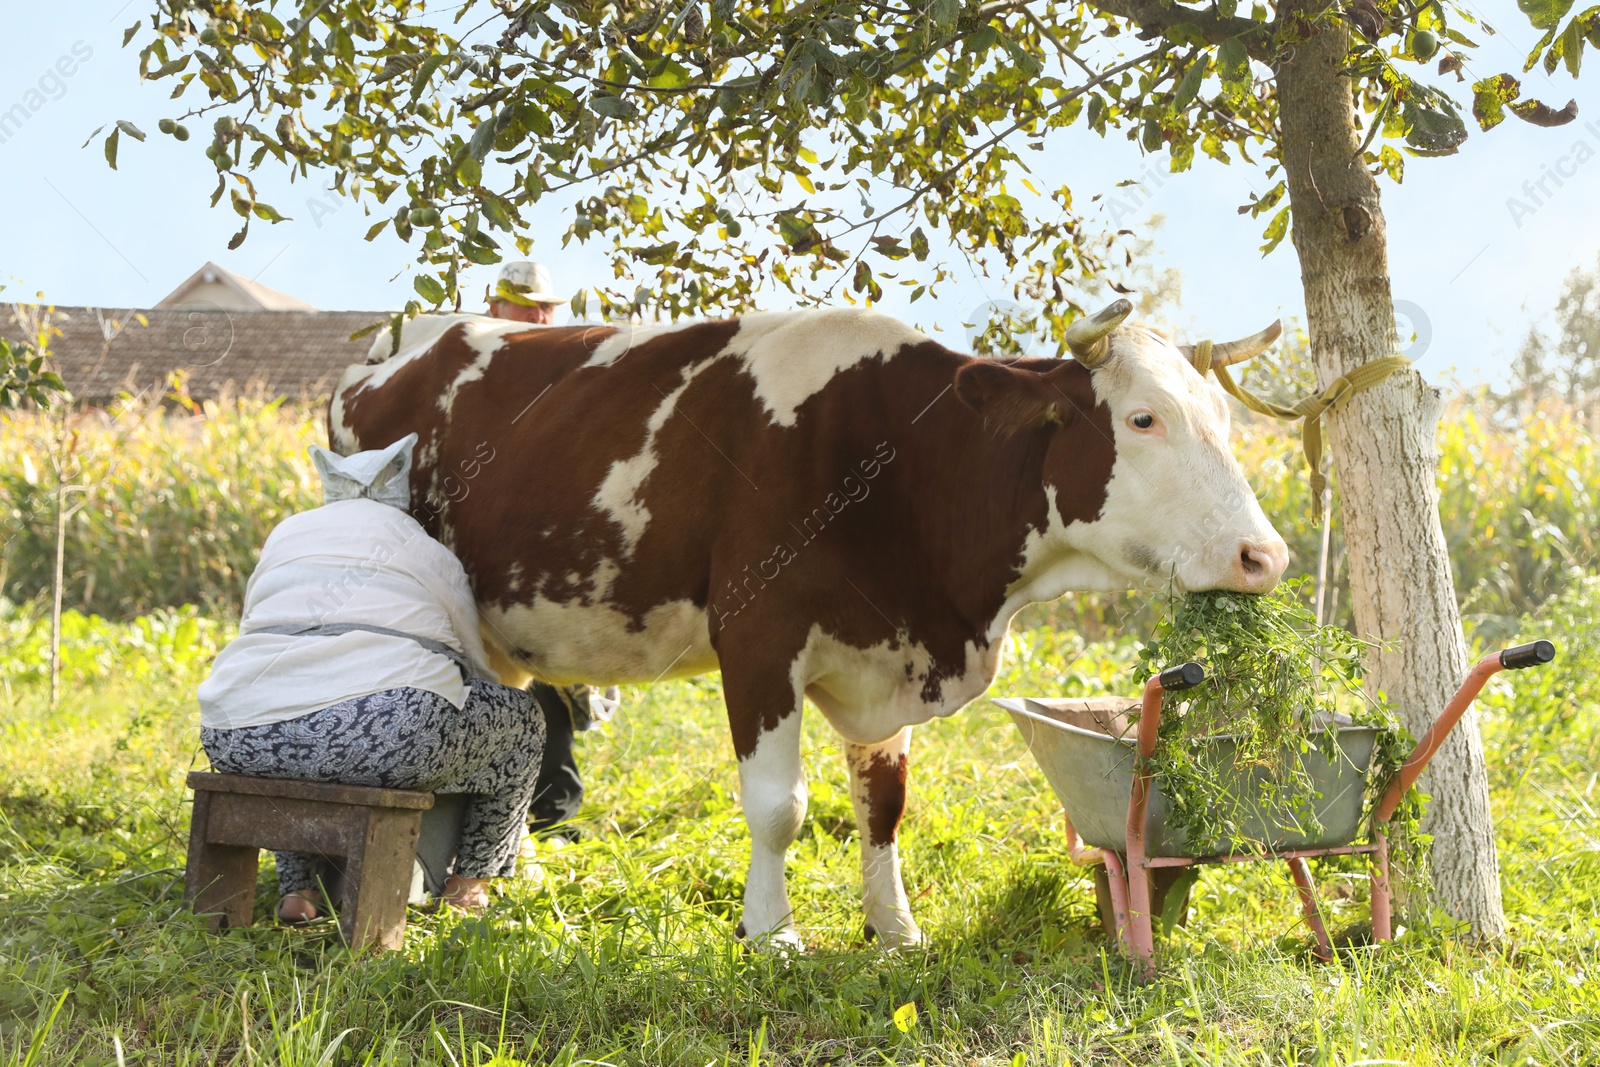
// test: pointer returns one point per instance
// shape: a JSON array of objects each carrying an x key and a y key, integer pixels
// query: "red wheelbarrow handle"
[{"x": 1529, "y": 655}]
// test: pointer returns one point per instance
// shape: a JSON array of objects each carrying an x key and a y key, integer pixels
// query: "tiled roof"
[{"x": 291, "y": 353}]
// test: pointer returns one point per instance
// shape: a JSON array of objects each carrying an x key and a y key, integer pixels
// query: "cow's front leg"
[
  {"x": 878, "y": 791},
  {"x": 772, "y": 789}
]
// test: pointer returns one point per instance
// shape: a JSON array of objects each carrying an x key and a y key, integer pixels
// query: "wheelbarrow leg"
[
  {"x": 1382, "y": 928},
  {"x": 1117, "y": 877},
  {"x": 1132, "y": 883},
  {"x": 1308, "y": 903}
]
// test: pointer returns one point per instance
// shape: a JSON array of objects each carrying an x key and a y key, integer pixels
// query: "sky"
[{"x": 1478, "y": 250}]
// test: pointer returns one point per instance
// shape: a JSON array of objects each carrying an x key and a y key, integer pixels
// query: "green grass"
[{"x": 621, "y": 951}]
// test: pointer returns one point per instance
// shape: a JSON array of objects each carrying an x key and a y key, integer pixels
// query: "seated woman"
[{"x": 358, "y": 661}]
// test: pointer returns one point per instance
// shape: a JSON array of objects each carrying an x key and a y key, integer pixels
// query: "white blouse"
[{"x": 354, "y": 561}]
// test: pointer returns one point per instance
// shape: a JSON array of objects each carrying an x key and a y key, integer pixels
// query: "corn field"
[
  {"x": 165, "y": 507},
  {"x": 169, "y": 506}
]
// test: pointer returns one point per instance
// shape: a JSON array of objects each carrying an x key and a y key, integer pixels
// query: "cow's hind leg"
[
  {"x": 772, "y": 790},
  {"x": 878, "y": 792}
]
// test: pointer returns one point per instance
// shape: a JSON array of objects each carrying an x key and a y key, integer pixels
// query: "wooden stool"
[{"x": 371, "y": 834}]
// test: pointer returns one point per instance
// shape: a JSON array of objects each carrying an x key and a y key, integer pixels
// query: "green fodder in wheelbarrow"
[{"x": 1278, "y": 686}]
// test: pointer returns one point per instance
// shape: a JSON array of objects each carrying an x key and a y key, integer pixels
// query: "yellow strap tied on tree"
[{"x": 1310, "y": 409}]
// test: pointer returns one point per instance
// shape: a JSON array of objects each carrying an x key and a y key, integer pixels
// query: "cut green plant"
[{"x": 1233, "y": 752}]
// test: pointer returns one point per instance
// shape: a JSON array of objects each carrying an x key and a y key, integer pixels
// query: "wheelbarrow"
[{"x": 1102, "y": 770}]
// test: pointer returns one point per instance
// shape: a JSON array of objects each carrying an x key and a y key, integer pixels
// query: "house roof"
[
  {"x": 104, "y": 352},
  {"x": 244, "y": 293}
]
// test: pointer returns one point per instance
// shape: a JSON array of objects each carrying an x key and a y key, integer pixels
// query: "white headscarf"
[{"x": 382, "y": 474}]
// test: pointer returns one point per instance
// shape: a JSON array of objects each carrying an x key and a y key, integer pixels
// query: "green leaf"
[
  {"x": 497, "y": 210},
  {"x": 981, "y": 41},
  {"x": 1490, "y": 98},
  {"x": 612, "y": 107},
  {"x": 1433, "y": 130},
  {"x": 670, "y": 74},
  {"x": 111, "y": 147},
  {"x": 1276, "y": 230},
  {"x": 919, "y": 244},
  {"x": 1189, "y": 87},
  {"x": 424, "y": 73},
  {"x": 796, "y": 232},
  {"x": 169, "y": 68},
  {"x": 1542, "y": 14},
  {"x": 1571, "y": 45},
  {"x": 127, "y": 34},
  {"x": 429, "y": 288},
  {"x": 1393, "y": 163},
  {"x": 130, "y": 129},
  {"x": 479, "y": 254},
  {"x": 1233, "y": 65},
  {"x": 482, "y": 140}
]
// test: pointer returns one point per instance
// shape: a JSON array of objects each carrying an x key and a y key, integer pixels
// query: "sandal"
[{"x": 300, "y": 907}]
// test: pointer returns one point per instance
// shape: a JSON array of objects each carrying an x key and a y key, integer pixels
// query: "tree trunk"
[{"x": 1400, "y": 579}]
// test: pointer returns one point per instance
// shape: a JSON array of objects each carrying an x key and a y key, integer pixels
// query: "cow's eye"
[{"x": 1143, "y": 420}]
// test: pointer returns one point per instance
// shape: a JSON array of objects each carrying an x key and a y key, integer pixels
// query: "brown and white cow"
[{"x": 821, "y": 504}]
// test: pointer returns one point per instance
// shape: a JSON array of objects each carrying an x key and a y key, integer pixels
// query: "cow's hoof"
[
  {"x": 900, "y": 933},
  {"x": 784, "y": 941}
]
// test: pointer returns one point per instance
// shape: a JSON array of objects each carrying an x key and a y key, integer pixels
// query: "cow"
[{"x": 820, "y": 503}]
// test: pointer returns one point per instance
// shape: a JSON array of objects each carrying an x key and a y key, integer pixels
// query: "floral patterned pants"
[{"x": 491, "y": 748}]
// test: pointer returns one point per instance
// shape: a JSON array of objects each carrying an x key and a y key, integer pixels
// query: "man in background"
[{"x": 523, "y": 293}]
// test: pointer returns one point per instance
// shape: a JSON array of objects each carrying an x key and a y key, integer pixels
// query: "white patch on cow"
[
  {"x": 605, "y": 573},
  {"x": 343, "y": 440},
  {"x": 485, "y": 336},
  {"x": 628, "y": 336},
  {"x": 594, "y": 642},
  {"x": 866, "y": 693},
  {"x": 427, "y": 456},
  {"x": 792, "y": 355},
  {"x": 417, "y": 338},
  {"x": 1052, "y": 567},
  {"x": 618, "y": 495}
]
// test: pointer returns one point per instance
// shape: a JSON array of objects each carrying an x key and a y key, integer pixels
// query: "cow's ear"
[{"x": 1014, "y": 398}]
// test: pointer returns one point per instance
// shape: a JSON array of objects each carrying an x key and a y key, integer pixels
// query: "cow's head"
[{"x": 1177, "y": 511}]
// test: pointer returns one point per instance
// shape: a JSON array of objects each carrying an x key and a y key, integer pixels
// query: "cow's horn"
[
  {"x": 1225, "y": 353},
  {"x": 1087, "y": 335}
]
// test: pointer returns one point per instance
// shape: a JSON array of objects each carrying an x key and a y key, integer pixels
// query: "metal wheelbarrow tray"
[{"x": 1101, "y": 768}]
